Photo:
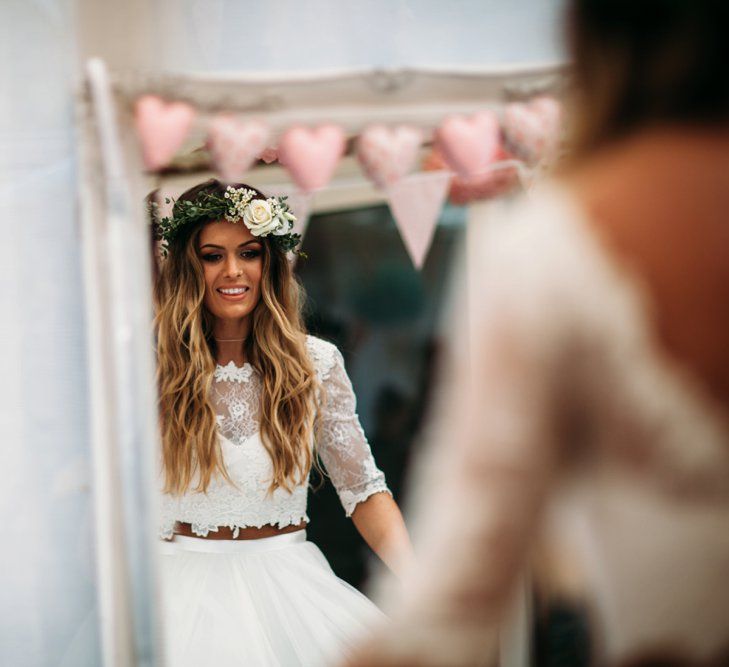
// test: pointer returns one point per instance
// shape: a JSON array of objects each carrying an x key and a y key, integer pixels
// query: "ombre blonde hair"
[{"x": 186, "y": 352}]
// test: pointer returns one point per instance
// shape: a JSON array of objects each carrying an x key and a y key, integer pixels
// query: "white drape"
[
  {"x": 46, "y": 561},
  {"x": 289, "y": 35}
]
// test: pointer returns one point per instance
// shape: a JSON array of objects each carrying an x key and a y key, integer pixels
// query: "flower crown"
[{"x": 263, "y": 217}]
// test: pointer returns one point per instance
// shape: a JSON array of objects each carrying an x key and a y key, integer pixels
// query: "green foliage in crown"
[{"x": 263, "y": 217}]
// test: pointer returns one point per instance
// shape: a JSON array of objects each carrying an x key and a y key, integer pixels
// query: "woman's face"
[{"x": 232, "y": 259}]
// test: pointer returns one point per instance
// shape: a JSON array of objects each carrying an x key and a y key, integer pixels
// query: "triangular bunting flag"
[{"x": 416, "y": 203}]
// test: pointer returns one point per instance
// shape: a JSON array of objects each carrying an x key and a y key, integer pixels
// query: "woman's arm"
[
  {"x": 379, "y": 520},
  {"x": 345, "y": 452}
]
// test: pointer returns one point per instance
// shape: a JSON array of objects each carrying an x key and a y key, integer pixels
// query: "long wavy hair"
[{"x": 186, "y": 354}]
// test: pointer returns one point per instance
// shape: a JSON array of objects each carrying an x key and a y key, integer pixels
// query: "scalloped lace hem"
[
  {"x": 167, "y": 531},
  {"x": 351, "y": 500}
]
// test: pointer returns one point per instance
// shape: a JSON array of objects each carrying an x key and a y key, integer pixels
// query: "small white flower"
[{"x": 239, "y": 197}]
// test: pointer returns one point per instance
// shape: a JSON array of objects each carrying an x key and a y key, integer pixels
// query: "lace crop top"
[{"x": 341, "y": 445}]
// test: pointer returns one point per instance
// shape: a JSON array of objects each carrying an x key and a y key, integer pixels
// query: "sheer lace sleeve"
[{"x": 341, "y": 442}]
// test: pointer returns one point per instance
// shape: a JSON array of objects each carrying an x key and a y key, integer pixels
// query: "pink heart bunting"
[
  {"x": 387, "y": 154},
  {"x": 469, "y": 144},
  {"x": 416, "y": 203},
  {"x": 234, "y": 145},
  {"x": 550, "y": 111},
  {"x": 162, "y": 128},
  {"x": 532, "y": 129},
  {"x": 311, "y": 155},
  {"x": 499, "y": 178}
]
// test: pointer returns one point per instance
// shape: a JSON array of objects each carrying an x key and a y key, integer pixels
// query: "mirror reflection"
[{"x": 294, "y": 363}]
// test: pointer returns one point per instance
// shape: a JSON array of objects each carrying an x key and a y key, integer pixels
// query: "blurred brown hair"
[{"x": 638, "y": 63}]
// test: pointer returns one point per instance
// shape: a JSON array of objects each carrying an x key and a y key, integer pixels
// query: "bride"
[{"x": 249, "y": 403}]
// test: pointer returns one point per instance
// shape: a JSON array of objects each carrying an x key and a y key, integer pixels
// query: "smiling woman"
[
  {"x": 214, "y": 326},
  {"x": 248, "y": 402}
]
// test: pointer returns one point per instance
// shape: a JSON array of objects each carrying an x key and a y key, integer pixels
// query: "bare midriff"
[{"x": 249, "y": 533}]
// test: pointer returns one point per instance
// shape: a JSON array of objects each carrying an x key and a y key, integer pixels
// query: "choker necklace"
[{"x": 229, "y": 340}]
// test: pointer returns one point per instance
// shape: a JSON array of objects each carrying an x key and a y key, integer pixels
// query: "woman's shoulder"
[
  {"x": 543, "y": 221},
  {"x": 531, "y": 246},
  {"x": 324, "y": 355}
]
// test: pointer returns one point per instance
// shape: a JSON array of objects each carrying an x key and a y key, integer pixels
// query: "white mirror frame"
[
  {"x": 115, "y": 236},
  {"x": 122, "y": 384}
]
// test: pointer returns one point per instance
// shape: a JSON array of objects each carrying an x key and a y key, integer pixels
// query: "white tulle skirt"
[{"x": 268, "y": 602}]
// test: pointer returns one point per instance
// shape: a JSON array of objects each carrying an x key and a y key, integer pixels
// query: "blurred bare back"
[{"x": 660, "y": 206}]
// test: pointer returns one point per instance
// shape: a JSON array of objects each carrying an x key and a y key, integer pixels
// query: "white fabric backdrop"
[
  {"x": 290, "y": 35},
  {"x": 230, "y": 35},
  {"x": 46, "y": 561}
]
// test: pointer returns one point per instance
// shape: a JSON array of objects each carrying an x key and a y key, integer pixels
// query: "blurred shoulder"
[{"x": 530, "y": 236}]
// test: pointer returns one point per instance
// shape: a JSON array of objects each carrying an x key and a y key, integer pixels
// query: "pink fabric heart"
[
  {"x": 311, "y": 155},
  {"x": 532, "y": 129},
  {"x": 469, "y": 144},
  {"x": 550, "y": 111},
  {"x": 388, "y": 154},
  {"x": 234, "y": 145},
  {"x": 162, "y": 128}
]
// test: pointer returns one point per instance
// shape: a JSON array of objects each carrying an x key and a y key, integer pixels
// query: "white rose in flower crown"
[{"x": 259, "y": 218}]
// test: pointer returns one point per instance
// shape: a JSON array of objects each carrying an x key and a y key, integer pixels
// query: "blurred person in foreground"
[{"x": 590, "y": 400}]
